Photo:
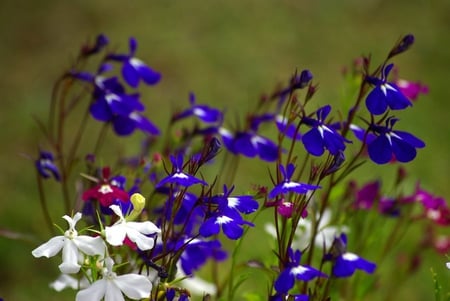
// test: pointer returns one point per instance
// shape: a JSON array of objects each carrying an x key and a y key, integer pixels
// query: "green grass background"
[{"x": 228, "y": 53}]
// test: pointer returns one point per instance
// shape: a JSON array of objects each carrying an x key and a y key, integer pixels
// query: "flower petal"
[
  {"x": 95, "y": 292},
  {"x": 134, "y": 286},
  {"x": 50, "y": 248}
]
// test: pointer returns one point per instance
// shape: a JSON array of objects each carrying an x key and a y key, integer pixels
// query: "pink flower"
[{"x": 412, "y": 90}]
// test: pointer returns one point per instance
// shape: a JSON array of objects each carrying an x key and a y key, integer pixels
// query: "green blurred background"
[{"x": 228, "y": 53}]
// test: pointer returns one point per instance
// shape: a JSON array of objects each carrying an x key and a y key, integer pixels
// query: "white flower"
[
  {"x": 325, "y": 232},
  {"x": 195, "y": 285},
  {"x": 136, "y": 231},
  {"x": 324, "y": 237},
  {"x": 111, "y": 286},
  {"x": 71, "y": 244},
  {"x": 65, "y": 281},
  {"x": 448, "y": 265}
]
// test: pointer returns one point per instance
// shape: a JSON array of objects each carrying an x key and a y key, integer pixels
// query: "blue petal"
[
  {"x": 123, "y": 125},
  {"x": 284, "y": 282},
  {"x": 245, "y": 204},
  {"x": 148, "y": 75},
  {"x": 242, "y": 144},
  {"x": 402, "y": 150},
  {"x": 101, "y": 111},
  {"x": 376, "y": 101},
  {"x": 410, "y": 139},
  {"x": 333, "y": 142},
  {"x": 130, "y": 75},
  {"x": 209, "y": 227},
  {"x": 267, "y": 150},
  {"x": 396, "y": 100},
  {"x": 380, "y": 150},
  {"x": 232, "y": 230},
  {"x": 343, "y": 268},
  {"x": 145, "y": 125},
  {"x": 313, "y": 142}
]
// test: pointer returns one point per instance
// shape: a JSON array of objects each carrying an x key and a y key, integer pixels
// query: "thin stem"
[{"x": 43, "y": 201}]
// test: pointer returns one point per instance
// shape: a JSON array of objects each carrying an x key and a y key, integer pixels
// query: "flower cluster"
[{"x": 153, "y": 248}]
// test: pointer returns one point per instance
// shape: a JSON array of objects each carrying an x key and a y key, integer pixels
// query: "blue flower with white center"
[
  {"x": 322, "y": 136},
  {"x": 133, "y": 69},
  {"x": 346, "y": 263},
  {"x": 295, "y": 271},
  {"x": 385, "y": 94},
  {"x": 178, "y": 176},
  {"x": 46, "y": 166},
  {"x": 288, "y": 129},
  {"x": 287, "y": 185},
  {"x": 230, "y": 221},
  {"x": 202, "y": 112},
  {"x": 249, "y": 144},
  {"x": 388, "y": 144},
  {"x": 244, "y": 203},
  {"x": 196, "y": 253},
  {"x": 283, "y": 297}
]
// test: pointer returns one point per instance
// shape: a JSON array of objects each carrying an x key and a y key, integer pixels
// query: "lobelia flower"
[
  {"x": 112, "y": 287},
  {"x": 105, "y": 192},
  {"x": 73, "y": 247},
  {"x": 346, "y": 263},
  {"x": 412, "y": 90},
  {"x": 388, "y": 143},
  {"x": 137, "y": 232},
  {"x": 295, "y": 271},
  {"x": 203, "y": 112},
  {"x": 133, "y": 69},
  {"x": 289, "y": 186},
  {"x": 178, "y": 176},
  {"x": 385, "y": 94},
  {"x": 322, "y": 136},
  {"x": 46, "y": 166},
  {"x": 228, "y": 214},
  {"x": 65, "y": 281},
  {"x": 229, "y": 220},
  {"x": 100, "y": 43},
  {"x": 284, "y": 297},
  {"x": 249, "y": 144}
]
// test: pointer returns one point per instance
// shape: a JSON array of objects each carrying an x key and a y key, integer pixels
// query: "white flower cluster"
[{"x": 75, "y": 248}]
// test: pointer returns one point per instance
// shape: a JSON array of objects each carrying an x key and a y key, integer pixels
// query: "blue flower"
[
  {"x": 346, "y": 263},
  {"x": 203, "y": 112},
  {"x": 196, "y": 253},
  {"x": 388, "y": 143},
  {"x": 230, "y": 221},
  {"x": 289, "y": 186},
  {"x": 133, "y": 69},
  {"x": 249, "y": 144},
  {"x": 322, "y": 136},
  {"x": 385, "y": 94},
  {"x": 46, "y": 166},
  {"x": 226, "y": 214},
  {"x": 295, "y": 271},
  {"x": 100, "y": 43},
  {"x": 178, "y": 176}
]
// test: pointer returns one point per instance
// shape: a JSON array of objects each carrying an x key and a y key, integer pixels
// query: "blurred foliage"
[{"x": 228, "y": 53}]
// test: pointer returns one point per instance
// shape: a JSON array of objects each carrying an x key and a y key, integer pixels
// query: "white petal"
[
  {"x": 90, "y": 245},
  {"x": 134, "y": 286},
  {"x": 70, "y": 258},
  {"x": 93, "y": 293},
  {"x": 50, "y": 248},
  {"x": 113, "y": 292},
  {"x": 115, "y": 235},
  {"x": 64, "y": 281},
  {"x": 117, "y": 211},
  {"x": 143, "y": 242},
  {"x": 144, "y": 227}
]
